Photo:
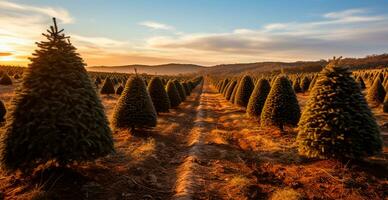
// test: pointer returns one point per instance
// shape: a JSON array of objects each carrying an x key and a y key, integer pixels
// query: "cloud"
[
  {"x": 350, "y": 33},
  {"x": 59, "y": 13},
  {"x": 5, "y": 54},
  {"x": 156, "y": 25}
]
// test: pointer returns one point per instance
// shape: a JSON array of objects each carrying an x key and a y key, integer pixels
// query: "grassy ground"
[{"x": 210, "y": 144}]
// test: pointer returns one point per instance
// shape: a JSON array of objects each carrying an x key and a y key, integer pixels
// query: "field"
[{"x": 207, "y": 148}]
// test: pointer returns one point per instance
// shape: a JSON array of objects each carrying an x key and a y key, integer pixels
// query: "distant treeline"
[{"x": 368, "y": 62}]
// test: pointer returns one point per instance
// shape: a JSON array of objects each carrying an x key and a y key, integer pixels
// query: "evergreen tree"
[
  {"x": 376, "y": 92},
  {"x": 187, "y": 89},
  {"x": 228, "y": 93},
  {"x": 56, "y": 114},
  {"x": 134, "y": 108},
  {"x": 337, "y": 121},
  {"x": 119, "y": 89},
  {"x": 244, "y": 91},
  {"x": 296, "y": 86},
  {"x": 159, "y": 95},
  {"x": 180, "y": 89},
  {"x": 233, "y": 95},
  {"x": 281, "y": 106},
  {"x": 304, "y": 85},
  {"x": 108, "y": 87},
  {"x": 5, "y": 80},
  {"x": 3, "y": 111},
  {"x": 257, "y": 99},
  {"x": 173, "y": 94},
  {"x": 385, "y": 105},
  {"x": 360, "y": 81}
]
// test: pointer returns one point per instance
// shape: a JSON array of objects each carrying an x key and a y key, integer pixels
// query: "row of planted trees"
[
  {"x": 336, "y": 121},
  {"x": 56, "y": 115}
]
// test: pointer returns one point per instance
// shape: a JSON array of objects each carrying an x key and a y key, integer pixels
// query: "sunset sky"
[{"x": 204, "y": 32}]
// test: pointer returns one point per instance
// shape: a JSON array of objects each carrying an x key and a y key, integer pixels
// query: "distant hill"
[
  {"x": 166, "y": 69},
  {"x": 372, "y": 61}
]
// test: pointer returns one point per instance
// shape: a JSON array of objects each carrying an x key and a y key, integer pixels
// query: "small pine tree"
[
  {"x": 108, "y": 87},
  {"x": 119, "y": 89},
  {"x": 180, "y": 89},
  {"x": 376, "y": 92},
  {"x": 296, "y": 86},
  {"x": 56, "y": 114},
  {"x": 159, "y": 95},
  {"x": 244, "y": 91},
  {"x": 233, "y": 95},
  {"x": 360, "y": 81},
  {"x": 228, "y": 93},
  {"x": 337, "y": 121},
  {"x": 134, "y": 108},
  {"x": 281, "y": 106},
  {"x": 257, "y": 99},
  {"x": 173, "y": 94},
  {"x": 385, "y": 105},
  {"x": 304, "y": 85},
  {"x": 3, "y": 111},
  {"x": 5, "y": 80}
]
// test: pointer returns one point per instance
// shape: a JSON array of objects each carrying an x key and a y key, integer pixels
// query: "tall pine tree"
[{"x": 56, "y": 114}]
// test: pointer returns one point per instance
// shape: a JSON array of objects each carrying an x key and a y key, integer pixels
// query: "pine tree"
[
  {"x": 385, "y": 105},
  {"x": 107, "y": 87},
  {"x": 173, "y": 94},
  {"x": 244, "y": 91},
  {"x": 5, "y": 80},
  {"x": 119, "y": 89},
  {"x": 376, "y": 92},
  {"x": 281, "y": 106},
  {"x": 296, "y": 86},
  {"x": 304, "y": 85},
  {"x": 3, "y": 111},
  {"x": 180, "y": 89},
  {"x": 134, "y": 108},
  {"x": 187, "y": 89},
  {"x": 56, "y": 114},
  {"x": 360, "y": 81},
  {"x": 228, "y": 93},
  {"x": 159, "y": 95},
  {"x": 233, "y": 95},
  {"x": 257, "y": 99},
  {"x": 337, "y": 121}
]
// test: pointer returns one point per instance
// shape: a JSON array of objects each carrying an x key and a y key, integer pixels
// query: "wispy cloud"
[
  {"x": 59, "y": 13},
  {"x": 156, "y": 25},
  {"x": 349, "y": 32}
]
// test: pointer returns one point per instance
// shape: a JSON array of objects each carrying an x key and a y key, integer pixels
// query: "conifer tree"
[
  {"x": 244, "y": 91},
  {"x": 233, "y": 95},
  {"x": 385, "y": 105},
  {"x": 56, "y": 114},
  {"x": 281, "y": 106},
  {"x": 376, "y": 92},
  {"x": 159, "y": 95},
  {"x": 187, "y": 88},
  {"x": 180, "y": 89},
  {"x": 360, "y": 81},
  {"x": 173, "y": 94},
  {"x": 3, "y": 111},
  {"x": 119, "y": 89},
  {"x": 134, "y": 108},
  {"x": 257, "y": 99},
  {"x": 296, "y": 86},
  {"x": 304, "y": 85},
  {"x": 5, "y": 79},
  {"x": 107, "y": 87},
  {"x": 228, "y": 93},
  {"x": 337, "y": 121}
]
